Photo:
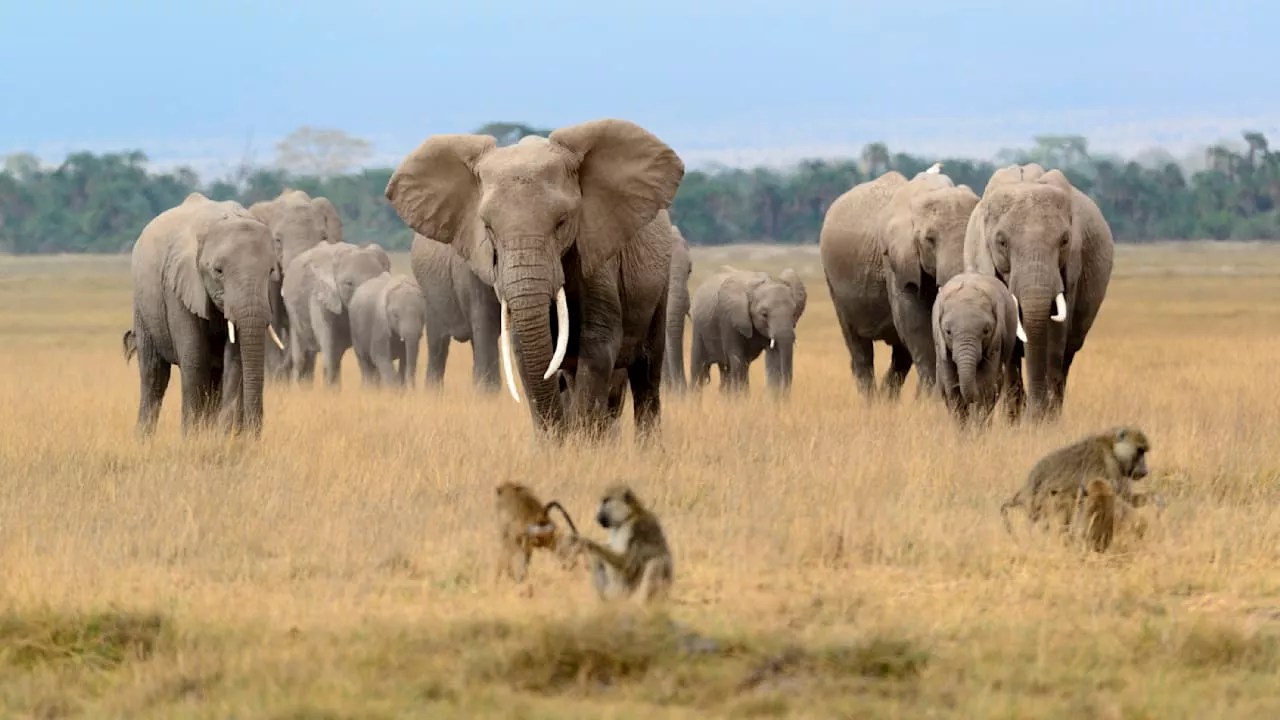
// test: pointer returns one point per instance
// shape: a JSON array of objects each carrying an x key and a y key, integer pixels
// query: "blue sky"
[{"x": 707, "y": 75}]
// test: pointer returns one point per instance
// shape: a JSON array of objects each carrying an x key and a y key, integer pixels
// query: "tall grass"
[{"x": 831, "y": 555}]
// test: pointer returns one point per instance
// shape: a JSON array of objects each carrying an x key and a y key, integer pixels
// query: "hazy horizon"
[{"x": 741, "y": 83}]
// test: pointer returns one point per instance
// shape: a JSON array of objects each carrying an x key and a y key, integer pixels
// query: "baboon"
[
  {"x": 524, "y": 524},
  {"x": 1056, "y": 484},
  {"x": 637, "y": 560}
]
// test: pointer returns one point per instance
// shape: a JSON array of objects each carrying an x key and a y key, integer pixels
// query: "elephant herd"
[{"x": 556, "y": 258}]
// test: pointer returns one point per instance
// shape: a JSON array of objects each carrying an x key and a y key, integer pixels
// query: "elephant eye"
[{"x": 217, "y": 270}]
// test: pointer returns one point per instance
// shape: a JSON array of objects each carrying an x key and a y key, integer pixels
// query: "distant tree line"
[{"x": 99, "y": 203}]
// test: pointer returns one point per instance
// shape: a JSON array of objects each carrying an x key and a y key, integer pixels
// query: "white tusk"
[
  {"x": 562, "y": 334},
  {"x": 274, "y": 337},
  {"x": 504, "y": 343},
  {"x": 231, "y": 331},
  {"x": 1017, "y": 317},
  {"x": 771, "y": 343},
  {"x": 1060, "y": 304}
]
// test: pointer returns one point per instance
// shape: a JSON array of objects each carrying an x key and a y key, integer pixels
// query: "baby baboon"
[
  {"x": 637, "y": 561},
  {"x": 1098, "y": 513},
  {"x": 524, "y": 523},
  {"x": 1057, "y": 483}
]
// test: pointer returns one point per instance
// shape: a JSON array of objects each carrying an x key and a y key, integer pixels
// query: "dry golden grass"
[{"x": 831, "y": 557}]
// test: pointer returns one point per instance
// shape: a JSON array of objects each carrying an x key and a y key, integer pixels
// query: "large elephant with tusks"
[
  {"x": 569, "y": 228},
  {"x": 1050, "y": 245}
]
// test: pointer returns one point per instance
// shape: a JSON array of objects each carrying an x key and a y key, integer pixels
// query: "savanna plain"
[{"x": 834, "y": 558}]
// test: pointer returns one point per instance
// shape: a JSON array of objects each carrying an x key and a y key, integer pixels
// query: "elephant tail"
[{"x": 129, "y": 344}]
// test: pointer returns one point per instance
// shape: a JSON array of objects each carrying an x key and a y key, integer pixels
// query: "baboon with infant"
[
  {"x": 1090, "y": 481},
  {"x": 524, "y": 524}
]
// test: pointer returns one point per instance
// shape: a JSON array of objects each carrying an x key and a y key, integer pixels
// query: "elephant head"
[
  {"x": 220, "y": 271},
  {"x": 759, "y": 305},
  {"x": 1023, "y": 232},
  {"x": 522, "y": 213},
  {"x": 337, "y": 270},
  {"x": 975, "y": 322},
  {"x": 923, "y": 236},
  {"x": 298, "y": 222},
  {"x": 406, "y": 310}
]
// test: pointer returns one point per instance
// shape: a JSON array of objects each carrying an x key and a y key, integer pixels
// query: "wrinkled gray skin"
[
  {"x": 196, "y": 268},
  {"x": 317, "y": 291},
  {"x": 582, "y": 211},
  {"x": 1042, "y": 237},
  {"x": 460, "y": 307},
  {"x": 975, "y": 327},
  {"x": 297, "y": 222},
  {"x": 737, "y": 315},
  {"x": 887, "y": 245},
  {"x": 388, "y": 314},
  {"x": 677, "y": 311}
]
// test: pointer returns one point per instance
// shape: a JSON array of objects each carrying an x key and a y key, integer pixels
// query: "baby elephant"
[
  {"x": 737, "y": 314},
  {"x": 975, "y": 332},
  {"x": 388, "y": 313}
]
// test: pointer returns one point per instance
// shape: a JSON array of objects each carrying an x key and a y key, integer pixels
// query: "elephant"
[
  {"x": 460, "y": 306},
  {"x": 317, "y": 291},
  {"x": 677, "y": 310},
  {"x": 887, "y": 245},
  {"x": 388, "y": 314},
  {"x": 738, "y": 314},
  {"x": 576, "y": 221},
  {"x": 297, "y": 222},
  {"x": 976, "y": 330},
  {"x": 200, "y": 273},
  {"x": 1051, "y": 246}
]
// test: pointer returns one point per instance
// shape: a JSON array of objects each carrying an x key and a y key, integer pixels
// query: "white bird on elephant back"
[{"x": 1050, "y": 245}]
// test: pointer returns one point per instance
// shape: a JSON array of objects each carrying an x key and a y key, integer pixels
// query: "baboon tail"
[
  {"x": 1012, "y": 502},
  {"x": 565, "y": 513},
  {"x": 130, "y": 345}
]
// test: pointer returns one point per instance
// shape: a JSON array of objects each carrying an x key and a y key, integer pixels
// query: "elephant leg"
[
  {"x": 861, "y": 354},
  {"x": 153, "y": 373},
  {"x": 738, "y": 371},
  {"x": 438, "y": 356},
  {"x": 304, "y": 368},
  {"x": 899, "y": 365},
  {"x": 384, "y": 359},
  {"x": 597, "y": 355},
  {"x": 1012, "y": 388},
  {"x": 231, "y": 397},
  {"x": 699, "y": 366},
  {"x": 912, "y": 318},
  {"x": 645, "y": 377},
  {"x": 197, "y": 390},
  {"x": 485, "y": 326},
  {"x": 368, "y": 371}
]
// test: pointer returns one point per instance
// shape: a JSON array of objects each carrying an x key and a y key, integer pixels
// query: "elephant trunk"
[
  {"x": 529, "y": 328},
  {"x": 967, "y": 354},
  {"x": 250, "y": 321},
  {"x": 674, "y": 353},
  {"x": 782, "y": 341},
  {"x": 412, "y": 342},
  {"x": 1037, "y": 297}
]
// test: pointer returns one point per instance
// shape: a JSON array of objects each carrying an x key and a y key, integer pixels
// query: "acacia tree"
[{"x": 320, "y": 152}]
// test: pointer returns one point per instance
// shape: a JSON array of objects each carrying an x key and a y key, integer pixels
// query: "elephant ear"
[
  {"x": 626, "y": 175},
  {"x": 436, "y": 190},
  {"x": 733, "y": 305},
  {"x": 182, "y": 269},
  {"x": 792, "y": 280},
  {"x": 322, "y": 267},
  {"x": 332, "y": 221}
]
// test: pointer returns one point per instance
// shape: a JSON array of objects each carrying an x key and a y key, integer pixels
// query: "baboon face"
[
  {"x": 1131, "y": 448},
  {"x": 616, "y": 507}
]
